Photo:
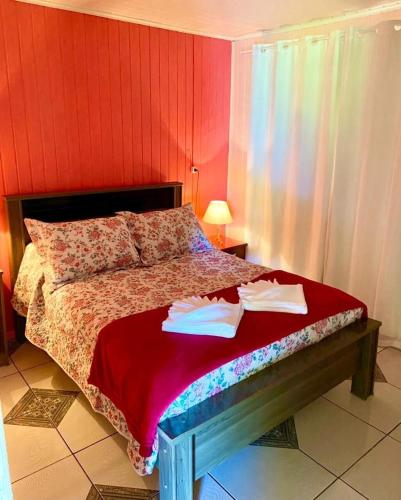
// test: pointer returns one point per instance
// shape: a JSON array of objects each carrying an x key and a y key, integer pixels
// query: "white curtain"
[
  {"x": 323, "y": 183},
  {"x": 290, "y": 159},
  {"x": 363, "y": 254}
]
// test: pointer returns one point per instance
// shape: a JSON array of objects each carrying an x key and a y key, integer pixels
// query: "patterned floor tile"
[
  {"x": 282, "y": 436},
  {"x": 41, "y": 408},
  {"x": 104, "y": 492}
]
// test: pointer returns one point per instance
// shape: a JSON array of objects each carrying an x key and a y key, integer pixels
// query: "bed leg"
[
  {"x": 363, "y": 379},
  {"x": 176, "y": 467}
]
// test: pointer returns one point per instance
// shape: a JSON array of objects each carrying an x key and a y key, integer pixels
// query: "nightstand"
[
  {"x": 3, "y": 329},
  {"x": 233, "y": 247}
]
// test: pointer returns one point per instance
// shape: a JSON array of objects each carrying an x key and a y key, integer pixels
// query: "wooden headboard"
[{"x": 67, "y": 206}]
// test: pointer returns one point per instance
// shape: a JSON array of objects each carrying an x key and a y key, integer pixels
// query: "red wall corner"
[{"x": 88, "y": 102}]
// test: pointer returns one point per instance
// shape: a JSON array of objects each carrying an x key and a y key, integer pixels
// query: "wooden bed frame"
[{"x": 197, "y": 440}]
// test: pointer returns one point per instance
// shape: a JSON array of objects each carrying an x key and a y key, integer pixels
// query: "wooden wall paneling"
[
  {"x": 89, "y": 102},
  {"x": 181, "y": 106},
  {"x": 136, "y": 103},
  {"x": 55, "y": 94},
  {"x": 105, "y": 101},
  {"x": 164, "y": 104},
  {"x": 144, "y": 50},
  {"x": 94, "y": 174},
  {"x": 189, "y": 103},
  {"x": 72, "y": 174},
  {"x": 172, "y": 100},
  {"x": 9, "y": 178},
  {"x": 154, "y": 55},
  {"x": 30, "y": 98},
  {"x": 115, "y": 104},
  {"x": 126, "y": 102},
  {"x": 18, "y": 122},
  {"x": 42, "y": 76}
]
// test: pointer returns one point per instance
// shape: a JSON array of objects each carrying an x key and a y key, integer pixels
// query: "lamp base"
[{"x": 218, "y": 240}]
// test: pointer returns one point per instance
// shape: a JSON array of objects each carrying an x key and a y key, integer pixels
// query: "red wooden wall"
[{"x": 88, "y": 102}]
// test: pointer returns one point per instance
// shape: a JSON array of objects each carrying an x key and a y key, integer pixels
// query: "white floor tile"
[
  {"x": 28, "y": 356},
  {"x": 6, "y": 370},
  {"x": 389, "y": 361},
  {"x": 258, "y": 473},
  {"x": 64, "y": 480},
  {"x": 32, "y": 448},
  {"x": 377, "y": 475},
  {"x": 49, "y": 376},
  {"x": 206, "y": 488},
  {"x": 82, "y": 427},
  {"x": 340, "y": 491},
  {"x": 333, "y": 437},
  {"x": 12, "y": 388},
  {"x": 383, "y": 410},
  {"x": 396, "y": 434},
  {"x": 107, "y": 463}
]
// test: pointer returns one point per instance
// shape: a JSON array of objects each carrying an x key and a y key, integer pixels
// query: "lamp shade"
[{"x": 217, "y": 212}]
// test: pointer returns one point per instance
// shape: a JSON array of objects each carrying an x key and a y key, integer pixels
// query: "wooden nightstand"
[
  {"x": 233, "y": 247},
  {"x": 3, "y": 329}
]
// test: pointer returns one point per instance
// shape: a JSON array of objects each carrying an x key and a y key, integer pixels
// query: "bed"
[{"x": 204, "y": 425}]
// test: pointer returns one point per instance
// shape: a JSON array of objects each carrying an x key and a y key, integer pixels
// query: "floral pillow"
[
  {"x": 72, "y": 250},
  {"x": 164, "y": 235},
  {"x": 30, "y": 276}
]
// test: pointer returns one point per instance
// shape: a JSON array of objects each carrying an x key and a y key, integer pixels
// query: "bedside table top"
[{"x": 227, "y": 243}]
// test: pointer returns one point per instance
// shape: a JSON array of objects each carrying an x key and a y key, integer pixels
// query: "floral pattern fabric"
[
  {"x": 164, "y": 235},
  {"x": 66, "y": 324},
  {"x": 71, "y": 250},
  {"x": 30, "y": 277}
]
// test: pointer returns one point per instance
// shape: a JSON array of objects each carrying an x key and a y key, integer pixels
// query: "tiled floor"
[{"x": 337, "y": 448}]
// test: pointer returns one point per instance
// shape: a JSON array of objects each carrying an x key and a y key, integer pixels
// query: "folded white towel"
[
  {"x": 202, "y": 316},
  {"x": 271, "y": 296}
]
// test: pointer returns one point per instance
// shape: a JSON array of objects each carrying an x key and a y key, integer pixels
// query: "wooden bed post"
[
  {"x": 176, "y": 467},
  {"x": 363, "y": 379}
]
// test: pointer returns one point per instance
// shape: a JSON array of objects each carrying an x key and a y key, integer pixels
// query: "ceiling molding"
[
  {"x": 127, "y": 19},
  {"x": 347, "y": 16}
]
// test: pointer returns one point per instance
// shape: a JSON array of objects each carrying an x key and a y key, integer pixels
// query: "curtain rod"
[
  {"x": 317, "y": 38},
  {"x": 347, "y": 16}
]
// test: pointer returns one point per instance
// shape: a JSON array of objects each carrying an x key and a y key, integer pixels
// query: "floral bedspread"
[{"x": 66, "y": 323}]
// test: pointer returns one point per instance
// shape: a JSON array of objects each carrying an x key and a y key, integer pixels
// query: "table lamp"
[{"x": 218, "y": 213}]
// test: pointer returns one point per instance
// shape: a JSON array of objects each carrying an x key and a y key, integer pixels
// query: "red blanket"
[{"x": 142, "y": 370}]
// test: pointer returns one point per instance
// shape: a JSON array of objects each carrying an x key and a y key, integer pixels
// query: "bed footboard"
[
  {"x": 363, "y": 378},
  {"x": 208, "y": 433}
]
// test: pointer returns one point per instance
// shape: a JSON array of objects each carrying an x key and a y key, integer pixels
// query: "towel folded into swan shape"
[
  {"x": 203, "y": 316},
  {"x": 271, "y": 296}
]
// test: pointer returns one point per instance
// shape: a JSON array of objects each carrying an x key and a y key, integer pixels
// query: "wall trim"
[
  {"x": 118, "y": 17},
  {"x": 347, "y": 16}
]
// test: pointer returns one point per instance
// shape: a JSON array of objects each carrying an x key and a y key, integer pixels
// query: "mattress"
[{"x": 66, "y": 324}]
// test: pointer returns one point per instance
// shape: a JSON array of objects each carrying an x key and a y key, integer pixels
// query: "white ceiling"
[{"x": 229, "y": 19}]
